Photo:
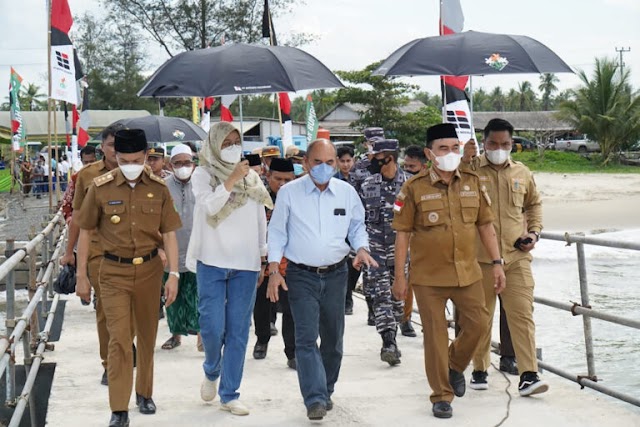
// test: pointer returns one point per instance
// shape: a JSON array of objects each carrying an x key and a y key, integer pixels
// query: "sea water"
[{"x": 613, "y": 277}]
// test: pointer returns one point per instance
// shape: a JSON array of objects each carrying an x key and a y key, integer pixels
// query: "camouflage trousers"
[{"x": 377, "y": 285}]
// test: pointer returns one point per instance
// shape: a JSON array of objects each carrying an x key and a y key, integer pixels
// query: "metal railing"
[
  {"x": 587, "y": 312},
  {"x": 22, "y": 328}
]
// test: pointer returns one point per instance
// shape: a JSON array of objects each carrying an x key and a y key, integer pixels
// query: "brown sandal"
[{"x": 171, "y": 343}]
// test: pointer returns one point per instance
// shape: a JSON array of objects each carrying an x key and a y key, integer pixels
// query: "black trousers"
[
  {"x": 352, "y": 279},
  {"x": 506, "y": 345},
  {"x": 262, "y": 317}
]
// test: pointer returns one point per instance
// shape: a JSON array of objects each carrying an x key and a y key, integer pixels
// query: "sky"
[{"x": 354, "y": 33}]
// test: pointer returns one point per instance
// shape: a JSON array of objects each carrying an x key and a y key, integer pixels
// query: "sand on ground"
[{"x": 589, "y": 202}]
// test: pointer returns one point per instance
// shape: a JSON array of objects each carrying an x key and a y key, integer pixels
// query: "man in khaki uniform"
[
  {"x": 83, "y": 181},
  {"x": 518, "y": 217},
  {"x": 133, "y": 214},
  {"x": 439, "y": 213}
]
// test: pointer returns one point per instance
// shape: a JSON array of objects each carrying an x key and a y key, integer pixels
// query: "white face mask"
[
  {"x": 498, "y": 157},
  {"x": 131, "y": 172},
  {"x": 231, "y": 154},
  {"x": 183, "y": 173},
  {"x": 449, "y": 162}
]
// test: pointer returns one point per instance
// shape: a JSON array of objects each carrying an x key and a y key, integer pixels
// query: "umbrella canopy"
[
  {"x": 165, "y": 129},
  {"x": 238, "y": 69},
  {"x": 472, "y": 53}
]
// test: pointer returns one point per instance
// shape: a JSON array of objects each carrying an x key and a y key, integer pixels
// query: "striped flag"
[
  {"x": 225, "y": 104},
  {"x": 456, "y": 109},
  {"x": 205, "y": 120},
  {"x": 18, "y": 133},
  {"x": 63, "y": 58}
]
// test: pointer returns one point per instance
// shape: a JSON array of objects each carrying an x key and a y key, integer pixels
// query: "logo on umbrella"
[
  {"x": 496, "y": 62},
  {"x": 237, "y": 88},
  {"x": 178, "y": 134}
]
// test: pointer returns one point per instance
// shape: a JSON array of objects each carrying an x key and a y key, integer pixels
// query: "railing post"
[
  {"x": 34, "y": 324},
  {"x": 11, "y": 323},
  {"x": 586, "y": 320},
  {"x": 45, "y": 263},
  {"x": 28, "y": 360}
]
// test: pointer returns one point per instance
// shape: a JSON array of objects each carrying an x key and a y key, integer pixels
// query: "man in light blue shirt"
[{"x": 312, "y": 218}]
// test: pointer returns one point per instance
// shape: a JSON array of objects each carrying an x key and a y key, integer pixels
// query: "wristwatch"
[
  {"x": 536, "y": 234},
  {"x": 174, "y": 273},
  {"x": 498, "y": 261}
]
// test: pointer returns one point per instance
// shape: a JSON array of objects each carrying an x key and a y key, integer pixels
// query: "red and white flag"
[
  {"x": 63, "y": 57},
  {"x": 225, "y": 104},
  {"x": 456, "y": 101}
]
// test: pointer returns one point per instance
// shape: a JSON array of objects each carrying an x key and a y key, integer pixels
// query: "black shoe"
[
  {"x": 329, "y": 405},
  {"x": 145, "y": 404},
  {"x": 407, "y": 329},
  {"x": 260, "y": 351},
  {"x": 348, "y": 311},
  {"x": 508, "y": 364},
  {"x": 442, "y": 410},
  {"x": 531, "y": 384},
  {"x": 457, "y": 381},
  {"x": 316, "y": 412},
  {"x": 291, "y": 363},
  {"x": 272, "y": 329},
  {"x": 135, "y": 355},
  {"x": 479, "y": 380},
  {"x": 105, "y": 378},
  {"x": 119, "y": 419},
  {"x": 389, "y": 352}
]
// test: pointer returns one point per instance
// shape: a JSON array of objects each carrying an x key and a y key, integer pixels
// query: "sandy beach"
[{"x": 589, "y": 202}]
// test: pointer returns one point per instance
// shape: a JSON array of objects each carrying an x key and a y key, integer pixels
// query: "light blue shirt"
[{"x": 309, "y": 226}]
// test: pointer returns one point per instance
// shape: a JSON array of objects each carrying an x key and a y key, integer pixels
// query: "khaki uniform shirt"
[
  {"x": 443, "y": 220},
  {"x": 85, "y": 178},
  {"x": 129, "y": 221},
  {"x": 516, "y": 205}
]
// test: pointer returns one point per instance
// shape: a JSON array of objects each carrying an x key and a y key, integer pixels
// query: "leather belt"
[
  {"x": 135, "y": 261},
  {"x": 320, "y": 270}
]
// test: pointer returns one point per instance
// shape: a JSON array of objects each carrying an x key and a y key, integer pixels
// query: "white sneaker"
[
  {"x": 208, "y": 389},
  {"x": 235, "y": 407}
]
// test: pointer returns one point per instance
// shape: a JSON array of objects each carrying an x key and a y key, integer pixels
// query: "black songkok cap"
[
  {"x": 130, "y": 141},
  {"x": 370, "y": 133},
  {"x": 279, "y": 164},
  {"x": 441, "y": 130}
]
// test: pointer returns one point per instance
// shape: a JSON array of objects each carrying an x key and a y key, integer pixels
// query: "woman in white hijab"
[{"x": 227, "y": 251}]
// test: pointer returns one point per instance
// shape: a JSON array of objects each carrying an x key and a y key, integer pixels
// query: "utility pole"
[{"x": 622, "y": 51}]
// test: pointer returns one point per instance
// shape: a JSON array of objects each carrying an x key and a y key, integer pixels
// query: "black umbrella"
[
  {"x": 472, "y": 53},
  {"x": 166, "y": 129},
  {"x": 238, "y": 69}
]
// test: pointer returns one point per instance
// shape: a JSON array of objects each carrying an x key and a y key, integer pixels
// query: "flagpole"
[
  {"x": 443, "y": 82},
  {"x": 49, "y": 100},
  {"x": 241, "y": 127},
  {"x": 271, "y": 42}
]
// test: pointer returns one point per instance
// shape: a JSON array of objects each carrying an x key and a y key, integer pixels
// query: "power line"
[{"x": 622, "y": 51}]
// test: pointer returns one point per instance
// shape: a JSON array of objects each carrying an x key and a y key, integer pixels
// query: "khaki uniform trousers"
[
  {"x": 517, "y": 300},
  {"x": 128, "y": 290},
  {"x": 439, "y": 356}
]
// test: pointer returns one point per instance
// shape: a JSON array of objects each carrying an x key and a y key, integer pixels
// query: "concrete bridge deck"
[{"x": 369, "y": 392}]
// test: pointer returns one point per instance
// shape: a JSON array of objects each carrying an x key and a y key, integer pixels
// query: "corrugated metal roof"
[{"x": 524, "y": 120}]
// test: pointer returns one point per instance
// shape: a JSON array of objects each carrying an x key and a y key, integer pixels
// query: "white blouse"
[{"x": 237, "y": 242}]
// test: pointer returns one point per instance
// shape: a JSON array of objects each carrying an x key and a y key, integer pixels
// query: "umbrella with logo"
[
  {"x": 161, "y": 129},
  {"x": 472, "y": 53},
  {"x": 238, "y": 69}
]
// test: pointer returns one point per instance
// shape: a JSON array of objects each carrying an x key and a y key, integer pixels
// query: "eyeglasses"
[{"x": 183, "y": 164}]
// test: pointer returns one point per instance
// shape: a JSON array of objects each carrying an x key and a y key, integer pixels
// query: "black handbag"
[{"x": 66, "y": 281}]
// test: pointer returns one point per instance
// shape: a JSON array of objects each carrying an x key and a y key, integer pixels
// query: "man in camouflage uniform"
[{"x": 378, "y": 193}]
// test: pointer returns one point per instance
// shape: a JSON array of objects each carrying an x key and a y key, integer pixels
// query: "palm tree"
[
  {"x": 481, "y": 100},
  {"x": 31, "y": 98},
  {"x": 526, "y": 96},
  {"x": 497, "y": 99},
  {"x": 547, "y": 86},
  {"x": 605, "y": 108}
]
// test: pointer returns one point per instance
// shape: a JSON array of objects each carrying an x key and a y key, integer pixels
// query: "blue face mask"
[
  {"x": 297, "y": 169},
  {"x": 322, "y": 173}
]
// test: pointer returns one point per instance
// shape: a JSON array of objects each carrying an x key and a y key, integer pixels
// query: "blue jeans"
[
  {"x": 317, "y": 306},
  {"x": 226, "y": 299}
]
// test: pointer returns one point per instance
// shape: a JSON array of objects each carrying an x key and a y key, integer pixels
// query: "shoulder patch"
[
  {"x": 103, "y": 179},
  {"x": 157, "y": 179}
]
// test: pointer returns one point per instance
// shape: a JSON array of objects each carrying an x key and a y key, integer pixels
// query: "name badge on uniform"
[
  {"x": 483, "y": 178},
  {"x": 468, "y": 194},
  {"x": 434, "y": 196},
  {"x": 114, "y": 202}
]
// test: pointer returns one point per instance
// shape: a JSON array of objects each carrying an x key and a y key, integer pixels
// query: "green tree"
[
  {"x": 179, "y": 25},
  {"x": 428, "y": 99},
  {"x": 526, "y": 97},
  {"x": 31, "y": 99},
  {"x": 605, "y": 108},
  {"x": 481, "y": 100},
  {"x": 547, "y": 87},
  {"x": 511, "y": 101},
  {"x": 411, "y": 128},
  {"x": 497, "y": 99}
]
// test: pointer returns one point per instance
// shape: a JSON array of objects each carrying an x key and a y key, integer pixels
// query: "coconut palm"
[
  {"x": 31, "y": 98},
  {"x": 547, "y": 86},
  {"x": 526, "y": 96},
  {"x": 605, "y": 107},
  {"x": 497, "y": 99}
]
